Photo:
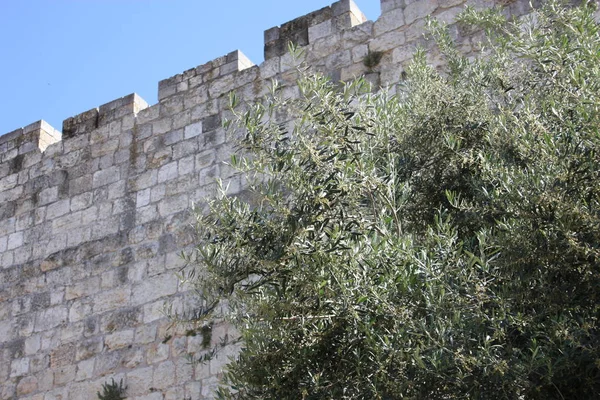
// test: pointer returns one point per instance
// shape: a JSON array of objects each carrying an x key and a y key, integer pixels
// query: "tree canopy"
[{"x": 441, "y": 241}]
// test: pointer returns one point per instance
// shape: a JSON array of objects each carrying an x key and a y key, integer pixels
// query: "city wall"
[{"x": 93, "y": 217}]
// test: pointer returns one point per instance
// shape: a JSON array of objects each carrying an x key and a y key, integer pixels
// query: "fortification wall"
[{"x": 92, "y": 220}]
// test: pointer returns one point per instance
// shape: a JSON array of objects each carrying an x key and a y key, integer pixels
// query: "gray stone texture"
[{"x": 92, "y": 219}]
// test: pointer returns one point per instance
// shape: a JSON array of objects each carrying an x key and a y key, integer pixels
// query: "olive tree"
[{"x": 439, "y": 242}]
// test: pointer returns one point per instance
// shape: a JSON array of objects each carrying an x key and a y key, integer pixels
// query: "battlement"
[
  {"x": 36, "y": 136},
  {"x": 233, "y": 62},
  {"x": 103, "y": 115},
  {"x": 306, "y": 29}
]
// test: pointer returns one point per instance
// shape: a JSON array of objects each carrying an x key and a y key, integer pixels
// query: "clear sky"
[{"x": 59, "y": 58}]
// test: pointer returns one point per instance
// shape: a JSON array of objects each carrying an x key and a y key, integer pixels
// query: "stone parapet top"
[
  {"x": 302, "y": 31},
  {"x": 103, "y": 115},
  {"x": 340, "y": 15},
  {"x": 235, "y": 61},
  {"x": 36, "y": 136}
]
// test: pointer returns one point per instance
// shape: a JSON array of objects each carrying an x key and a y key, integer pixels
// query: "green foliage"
[
  {"x": 443, "y": 242},
  {"x": 112, "y": 391},
  {"x": 372, "y": 59}
]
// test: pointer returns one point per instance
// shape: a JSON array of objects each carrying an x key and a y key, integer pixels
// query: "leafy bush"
[
  {"x": 112, "y": 391},
  {"x": 443, "y": 242}
]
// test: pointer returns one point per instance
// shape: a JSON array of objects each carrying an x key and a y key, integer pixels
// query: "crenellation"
[
  {"x": 80, "y": 124},
  {"x": 222, "y": 66},
  {"x": 307, "y": 29},
  {"x": 25, "y": 144},
  {"x": 92, "y": 220}
]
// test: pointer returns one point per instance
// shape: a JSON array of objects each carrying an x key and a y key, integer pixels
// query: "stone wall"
[{"x": 92, "y": 220}]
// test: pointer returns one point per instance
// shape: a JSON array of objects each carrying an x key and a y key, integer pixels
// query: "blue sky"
[{"x": 62, "y": 57}]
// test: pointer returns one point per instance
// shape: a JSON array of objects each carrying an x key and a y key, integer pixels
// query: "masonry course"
[{"x": 93, "y": 217}]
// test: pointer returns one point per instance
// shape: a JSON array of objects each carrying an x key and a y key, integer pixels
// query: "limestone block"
[
  {"x": 67, "y": 222},
  {"x": 106, "y": 176},
  {"x": 182, "y": 119},
  {"x": 50, "y": 318},
  {"x": 144, "y": 180},
  {"x": 338, "y": 60},
  {"x": 157, "y": 352},
  {"x": 209, "y": 385},
  {"x": 185, "y": 148},
  {"x": 83, "y": 288},
  {"x": 107, "y": 362},
  {"x": 154, "y": 288},
  {"x": 133, "y": 357},
  {"x": 3, "y": 244},
  {"x": 449, "y": 16},
  {"x": 318, "y": 31},
  {"x": 9, "y": 182},
  {"x": 119, "y": 339},
  {"x": 171, "y": 105},
  {"x": 193, "y": 389},
  {"x": 193, "y": 130},
  {"x": 15, "y": 240},
  {"x": 204, "y": 109},
  {"x": 88, "y": 348},
  {"x": 173, "y": 204},
  {"x": 154, "y": 311},
  {"x": 358, "y": 35},
  {"x": 185, "y": 165},
  {"x": 419, "y": 9},
  {"x": 145, "y": 334},
  {"x": 151, "y": 396},
  {"x": 389, "y": 21},
  {"x": 12, "y": 194},
  {"x": 146, "y": 214},
  {"x": 157, "y": 193},
  {"x": 27, "y": 385},
  {"x": 352, "y": 72},
  {"x": 32, "y": 344},
  {"x": 19, "y": 367},
  {"x": 388, "y": 5},
  {"x": 416, "y": 31},
  {"x": 142, "y": 198},
  {"x": 147, "y": 115},
  {"x": 167, "y": 172},
  {"x": 161, "y": 126},
  {"x": 388, "y": 41},
  {"x": 85, "y": 370},
  {"x": 81, "y": 201},
  {"x": 221, "y": 86},
  {"x": 111, "y": 299},
  {"x": 449, "y": 3},
  {"x": 164, "y": 375}
]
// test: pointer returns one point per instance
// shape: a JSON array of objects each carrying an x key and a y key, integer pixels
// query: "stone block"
[
  {"x": 118, "y": 340},
  {"x": 50, "y": 318},
  {"x": 193, "y": 130},
  {"x": 105, "y": 176},
  {"x": 387, "y": 41},
  {"x": 157, "y": 352},
  {"x": 164, "y": 375},
  {"x": 154, "y": 288},
  {"x": 112, "y": 299},
  {"x": 167, "y": 172},
  {"x": 19, "y": 367},
  {"x": 318, "y": 31},
  {"x": 389, "y": 21},
  {"x": 419, "y": 9},
  {"x": 15, "y": 240},
  {"x": 27, "y": 385},
  {"x": 388, "y": 5}
]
